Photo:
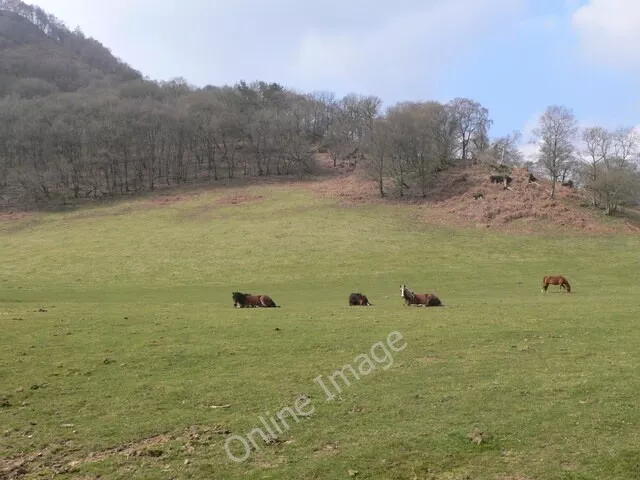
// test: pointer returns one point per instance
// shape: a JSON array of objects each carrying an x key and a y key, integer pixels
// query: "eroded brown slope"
[{"x": 525, "y": 206}]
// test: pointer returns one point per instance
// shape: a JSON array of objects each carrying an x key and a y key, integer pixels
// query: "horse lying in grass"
[
  {"x": 420, "y": 299},
  {"x": 358, "y": 299},
  {"x": 244, "y": 300},
  {"x": 555, "y": 280}
]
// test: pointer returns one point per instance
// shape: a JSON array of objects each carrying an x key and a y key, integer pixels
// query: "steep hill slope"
[{"x": 39, "y": 55}]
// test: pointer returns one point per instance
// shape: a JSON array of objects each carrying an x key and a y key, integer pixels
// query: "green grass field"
[{"x": 118, "y": 327}]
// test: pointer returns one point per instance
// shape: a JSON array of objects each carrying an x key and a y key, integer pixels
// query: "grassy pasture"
[{"x": 118, "y": 330}]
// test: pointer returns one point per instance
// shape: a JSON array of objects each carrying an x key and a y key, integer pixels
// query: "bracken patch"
[{"x": 453, "y": 200}]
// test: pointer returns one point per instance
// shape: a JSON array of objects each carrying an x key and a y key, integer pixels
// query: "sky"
[{"x": 515, "y": 57}]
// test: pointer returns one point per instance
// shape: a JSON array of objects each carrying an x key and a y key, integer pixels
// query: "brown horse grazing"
[
  {"x": 358, "y": 299},
  {"x": 420, "y": 299},
  {"x": 244, "y": 300},
  {"x": 555, "y": 280}
]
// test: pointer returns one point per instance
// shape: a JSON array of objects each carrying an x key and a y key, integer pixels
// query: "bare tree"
[
  {"x": 379, "y": 149},
  {"x": 472, "y": 125},
  {"x": 596, "y": 147},
  {"x": 556, "y": 131},
  {"x": 504, "y": 150},
  {"x": 625, "y": 145},
  {"x": 618, "y": 180},
  {"x": 617, "y": 184},
  {"x": 609, "y": 167}
]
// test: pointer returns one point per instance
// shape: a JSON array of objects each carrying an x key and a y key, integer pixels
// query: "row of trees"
[
  {"x": 109, "y": 141},
  {"x": 604, "y": 162}
]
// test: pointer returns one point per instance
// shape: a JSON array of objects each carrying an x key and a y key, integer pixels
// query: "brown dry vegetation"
[{"x": 524, "y": 207}]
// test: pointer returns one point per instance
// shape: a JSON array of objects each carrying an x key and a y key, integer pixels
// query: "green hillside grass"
[{"x": 118, "y": 326}]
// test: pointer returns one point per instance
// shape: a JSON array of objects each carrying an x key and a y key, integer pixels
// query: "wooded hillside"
[{"x": 77, "y": 122}]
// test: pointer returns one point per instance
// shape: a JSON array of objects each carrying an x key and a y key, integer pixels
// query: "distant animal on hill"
[
  {"x": 568, "y": 183},
  {"x": 504, "y": 179},
  {"x": 358, "y": 299},
  {"x": 532, "y": 177},
  {"x": 478, "y": 195},
  {"x": 420, "y": 299},
  {"x": 555, "y": 280},
  {"x": 245, "y": 300}
]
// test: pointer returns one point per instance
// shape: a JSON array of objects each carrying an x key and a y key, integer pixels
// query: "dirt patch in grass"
[
  {"x": 238, "y": 199},
  {"x": 161, "y": 200},
  {"x": 9, "y": 216},
  {"x": 351, "y": 189},
  {"x": 326, "y": 450},
  {"x": 262, "y": 462},
  {"x": 62, "y": 459}
]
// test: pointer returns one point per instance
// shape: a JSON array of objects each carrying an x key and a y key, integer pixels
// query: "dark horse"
[
  {"x": 242, "y": 300},
  {"x": 420, "y": 299},
  {"x": 555, "y": 280},
  {"x": 358, "y": 299}
]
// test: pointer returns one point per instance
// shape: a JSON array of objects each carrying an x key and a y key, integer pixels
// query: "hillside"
[
  {"x": 39, "y": 55},
  {"x": 124, "y": 358},
  {"x": 525, "y": 206},
  {"x": 78, "y": 125}
]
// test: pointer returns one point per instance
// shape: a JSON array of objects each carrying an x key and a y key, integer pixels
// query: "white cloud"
[
  {"x": 354, "y": 45},
  {"x": 608, "y": 32},
  {"x": 529, "y": 145},
  {"x": 417, "y": 42}
]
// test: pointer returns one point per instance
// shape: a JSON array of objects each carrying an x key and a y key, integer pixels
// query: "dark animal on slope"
[
  {"x": 505, "y": 179},
  {"x": 358, "y": 299},
  {"x": 246, "y": 300},
  {"x": 555, "y": 280},
  {"x": 568, "y": 183},
  {"x": 420, "y": 299},
  {"x": 532, "y": 178}
]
